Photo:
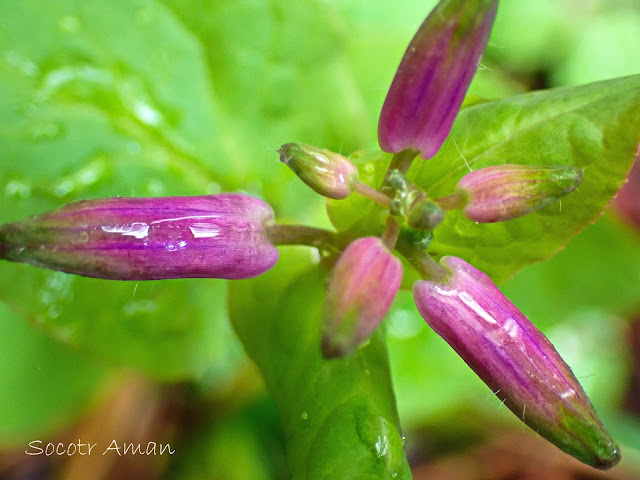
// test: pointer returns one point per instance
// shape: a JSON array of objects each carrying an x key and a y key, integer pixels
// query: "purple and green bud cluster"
[
  {"x": 215, "y": 236},
  {"x": 232, "y": 236}
]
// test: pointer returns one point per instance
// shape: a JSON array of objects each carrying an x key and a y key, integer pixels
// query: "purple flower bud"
[
  {"x": 362, "y": 287},
  {"x": 434, "y": 76},
  {"x": 503, "y": 192},
  {"x": 215, "y": 236},
  {"x": 515, "y": 360},
  {"x": 328, "y": 173}
]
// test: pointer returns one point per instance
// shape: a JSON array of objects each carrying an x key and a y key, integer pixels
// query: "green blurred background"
[{"x": 190, "y": 97}]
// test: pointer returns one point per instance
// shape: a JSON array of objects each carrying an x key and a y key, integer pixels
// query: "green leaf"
[
  {"x": 338, "y": 416},
  {"x": 44, "y": 385},
  {"x": 593, "y": 127}
]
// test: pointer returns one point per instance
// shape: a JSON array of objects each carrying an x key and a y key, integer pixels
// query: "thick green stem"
[
  {"x": 300, "y": 235},
  {"x": 426, "y": 266}
]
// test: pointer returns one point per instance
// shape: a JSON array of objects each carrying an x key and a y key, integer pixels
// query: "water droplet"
[
  {"x": 139, "y": 306},
  {"x": 17, "y": 189},
  {"x": 213, "y": 188},
  {"x": 21, "y": 63},
  {"x": 403, "y": 323},
  {"x": 69, "y": 23},
  {"x": 63, "y": 188},
  {"x": 55, "y": 294},
  {"x": 369, "y": 168},
  {"x": 54, "y": 311},
  {"x": 27, "y": 109},
  {"x": 144, "y": 16},
  {"x": 304, "y": 415},
  {"x": 86, "y": 176},
  {"x": 146, "y": 113},
  {"x": 467, "y": 229},
  {"x": 42, "y": 130},
  {"x": 133, "y": 148},
  {"x": 155, "y": 187},
  {"x": 383, "y": 440}
]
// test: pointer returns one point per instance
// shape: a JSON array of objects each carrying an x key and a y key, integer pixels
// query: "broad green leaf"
[
  {"x": 338, "y": 416},
  {"x": 594, "y": 127},
  {"x": 44, "y": 385}
]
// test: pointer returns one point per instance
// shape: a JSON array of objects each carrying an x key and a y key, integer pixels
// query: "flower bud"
[
  {"x": 215, "y": 236},
  {"x": 424, "y": 214},
  {"x": 515, "y": 360},
  {"x": 328, "y": 173},
  {"x": 434, "y": 76},
  {"x": 362, "y": 287},
  {"x": 503, "y": 192}
]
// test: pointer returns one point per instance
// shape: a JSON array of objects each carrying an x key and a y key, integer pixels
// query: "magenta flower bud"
[
  {"x": 434, "y": 76},
  {"x": 328, "y": 173},
  {"x": 215, "y": 236},
  {"x": 515, "y": 360},
  {"x": 503, "y": 192},
  {"x": 362, "y": 287}
]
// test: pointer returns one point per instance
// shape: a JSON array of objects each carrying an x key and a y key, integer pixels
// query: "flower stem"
[
  {"x": 426, "y": 266},
  {"x": 373, "y": 194},
  {"x": 452, "y": 202},
  {"x": 299, "y": 235},
  {"x": 401, "y": 162},
  {"x": 390, "y": 235}
]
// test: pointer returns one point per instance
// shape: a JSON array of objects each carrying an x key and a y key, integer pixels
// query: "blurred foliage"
[{"x": 188, "y": 97}]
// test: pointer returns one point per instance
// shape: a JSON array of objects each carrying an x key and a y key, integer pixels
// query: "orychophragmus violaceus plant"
[{"x": 234, "y": 236}]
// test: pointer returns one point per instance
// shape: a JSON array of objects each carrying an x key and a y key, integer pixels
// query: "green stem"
[
  {"x": 426, "y": 266},
  {"x": 454, "y": 201},
  {"x": 300, "y": 235},
  {"x": 390, "y": 235},
  {"x": 401, "y": 161},
  {"x": 373, "y": 194}
]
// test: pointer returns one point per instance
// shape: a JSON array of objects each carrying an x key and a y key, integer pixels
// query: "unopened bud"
[
  {"x": 515, "y": 360},
  {"x": 328, "y": 173},
  {"x": 214, "y": 236},
  {"x": 503, "y": 192},
  {"x": 434, "y": 76},
  {"x": 424, "y": 214},
  {"x": 362, "y": 287}
]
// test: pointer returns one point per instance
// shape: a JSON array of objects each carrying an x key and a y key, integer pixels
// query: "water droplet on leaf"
[
  {"x": 69, "y": 23},
  {"x": 43, "y": 130}
]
